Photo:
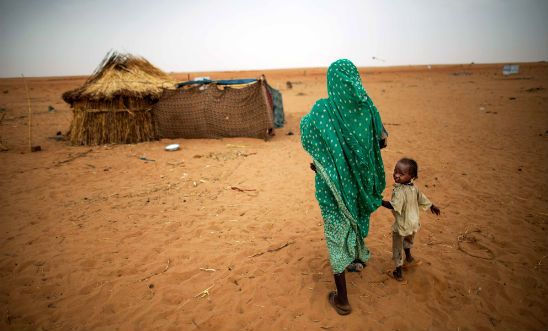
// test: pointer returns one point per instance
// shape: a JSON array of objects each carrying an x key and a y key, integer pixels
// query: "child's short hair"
[{"x": 413, "y": 166}]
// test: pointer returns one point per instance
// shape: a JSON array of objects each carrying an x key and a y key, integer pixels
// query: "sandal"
[
  {"x": 341, "y": 310},
  {"x": 356, "y": 266}
]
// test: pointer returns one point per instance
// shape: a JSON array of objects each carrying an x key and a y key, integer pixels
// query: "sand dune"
[{"x": 226, "y": 234}]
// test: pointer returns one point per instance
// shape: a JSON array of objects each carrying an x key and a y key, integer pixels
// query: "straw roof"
[{"x": 121, "y": 76}]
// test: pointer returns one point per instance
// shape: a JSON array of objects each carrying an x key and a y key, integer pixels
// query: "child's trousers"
[{"x": 398, "y": 244}]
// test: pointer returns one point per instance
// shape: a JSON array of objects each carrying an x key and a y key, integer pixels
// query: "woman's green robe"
[{"x": 342, "y": 134}]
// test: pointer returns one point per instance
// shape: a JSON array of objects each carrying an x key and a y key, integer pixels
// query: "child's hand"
[
  {"x": 313, "y": 166},
  {"x": 435, "y": 210}
]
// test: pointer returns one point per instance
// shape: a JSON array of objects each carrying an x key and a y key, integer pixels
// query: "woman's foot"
[
  {"x": 340, "y": 308},
  {"x": 356, "y": 266}
]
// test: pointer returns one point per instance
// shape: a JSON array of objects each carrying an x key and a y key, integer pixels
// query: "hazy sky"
[{"x": 70, "y": 37}]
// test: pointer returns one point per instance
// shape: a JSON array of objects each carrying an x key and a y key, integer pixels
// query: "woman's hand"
[
  {"x": 383, "y": 143},
  {"x": 435, "y": 210}
]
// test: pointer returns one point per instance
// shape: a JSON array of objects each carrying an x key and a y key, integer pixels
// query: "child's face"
[{"x": 401, "y": 174}]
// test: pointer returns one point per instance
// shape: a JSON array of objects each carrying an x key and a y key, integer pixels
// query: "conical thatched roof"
[{"x": 121, "y": 75}]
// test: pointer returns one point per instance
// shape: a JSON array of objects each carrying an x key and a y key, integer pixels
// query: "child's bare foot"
[
  {"x": 398, "y": 274},
  {"x": 408, "y": 257},
  {"x": 340, "y": 308}
]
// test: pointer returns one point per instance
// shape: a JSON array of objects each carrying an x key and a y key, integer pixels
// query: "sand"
[{"x": 227, "y": 235}]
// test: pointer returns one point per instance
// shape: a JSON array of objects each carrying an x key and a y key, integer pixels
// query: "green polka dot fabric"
[{"x": 341, "y": 134}]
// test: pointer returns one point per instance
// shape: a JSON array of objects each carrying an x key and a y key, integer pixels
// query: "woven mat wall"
[{"x": 211, "y": 112}]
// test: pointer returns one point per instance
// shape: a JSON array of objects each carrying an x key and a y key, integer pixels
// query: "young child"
[{"x": 405, "y": 203}]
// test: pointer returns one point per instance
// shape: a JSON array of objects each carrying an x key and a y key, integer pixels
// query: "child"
[{"x": 405, "y": 203}]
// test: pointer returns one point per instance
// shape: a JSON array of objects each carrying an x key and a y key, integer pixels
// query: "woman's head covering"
[
  {"x": 347, "y": 95},
  {"x": 344, "y": 81},
  {"x": 342, "y": 135}
]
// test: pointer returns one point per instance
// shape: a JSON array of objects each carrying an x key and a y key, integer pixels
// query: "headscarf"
[{"x": 342, "y": 135}]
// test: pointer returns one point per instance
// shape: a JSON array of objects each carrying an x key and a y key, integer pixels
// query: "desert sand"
[{"x": 227, "y": 235}]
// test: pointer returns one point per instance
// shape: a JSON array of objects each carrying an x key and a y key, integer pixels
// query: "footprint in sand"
[{"x": 470, "y": 245}]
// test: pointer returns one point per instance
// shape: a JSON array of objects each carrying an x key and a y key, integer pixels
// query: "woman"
[{"x": 343, "y": 134}]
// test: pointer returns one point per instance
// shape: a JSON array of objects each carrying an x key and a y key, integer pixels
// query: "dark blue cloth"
[
  {"x": 278, "y": 106},
  {"x": 220, "y": 82}
]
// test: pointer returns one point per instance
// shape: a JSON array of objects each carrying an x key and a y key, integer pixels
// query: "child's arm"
[
  {"x": 424, "y": 203},
  {"x": 387, "y": 204}
]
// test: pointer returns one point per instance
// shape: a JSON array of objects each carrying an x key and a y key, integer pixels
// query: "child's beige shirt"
[{"x": 406, "y": 200}]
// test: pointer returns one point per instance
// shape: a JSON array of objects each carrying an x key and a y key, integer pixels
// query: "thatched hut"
[{"x": 115, "y": 104}]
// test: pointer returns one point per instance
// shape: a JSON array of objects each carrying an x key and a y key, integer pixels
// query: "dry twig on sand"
[
  {"x": 273, "y": 249},
  {"x": 241, "y": 189},
  {"x": 204, "y": 293},
  {"x": 249, "y": 192},
  {"x": 539, "y": 263},
  {"x": 464, "y": 236},
  {"x": 157, "y": 273},
  {"x": 73, "y": 157}
]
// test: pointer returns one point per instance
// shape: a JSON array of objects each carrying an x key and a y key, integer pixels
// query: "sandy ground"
[{"x": 96, "y": 238}]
